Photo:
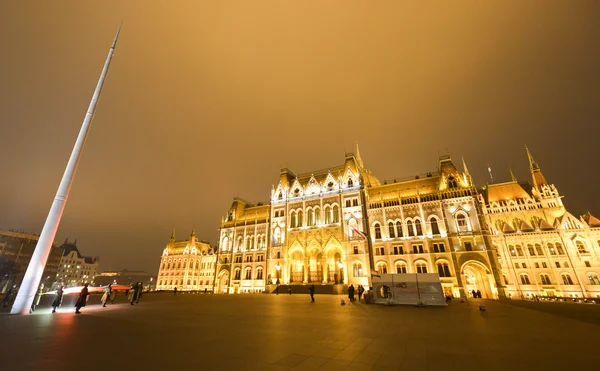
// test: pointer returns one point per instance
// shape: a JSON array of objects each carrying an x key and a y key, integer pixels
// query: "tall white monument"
[{"x": 34, "y": 272}]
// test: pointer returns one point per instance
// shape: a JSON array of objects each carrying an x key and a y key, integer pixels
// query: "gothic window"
[
  {"x": 461, "y": 221},
  {"x": 525, "y": 279},
  {"x": 327, "y": 215},
  {"x": 259, "y": 273},
  {"x": 299, "y": 219},
  {"x": 530, "y": 249},
  {"x": 443, "y": 270},
  {"x": 435, "y": 228},
  {"x": 336, "y": 214},
  {"x": 567, "y": 279},
  {"x": 348, "y": 202},
  {"x": 580, "y": 247},
  {"x": 350, "y": 183},
  {"x": 355, "y": 202},
  {"x": 382, "y": 268},
  {"x": 593, "y": 277},
  {"x": 377, "y": 231},
  {"x": 559, "y": 249},
  {"x": 538, "y": 249},
  {"x": 451, "y": 183},
  {"x": 399, "y": 229},
  {"x": 409, "y": 227},
  {"x": 519, "y": 251},
  {"x": 512, "y": 250},
  {"x": 280, "y": 196},
  {"x": 311, "y": 217},
  {"x": 357, "y": 270},
  {"x": 421, "y": 267},
  {"x": 418, "y": 227},
  {"x": 545, "y": 279},
  {"x": 355, "y": 248},
  {"x": 317, "y": 216},
  {"x": 551, "y": 249},
  {"x": 391, "y": 230},
  {"x": 401, "y": 267},
  {"x": 248, "y": 274}
]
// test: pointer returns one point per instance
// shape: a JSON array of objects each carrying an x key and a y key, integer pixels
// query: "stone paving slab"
[{"x": 269, "y": 332}]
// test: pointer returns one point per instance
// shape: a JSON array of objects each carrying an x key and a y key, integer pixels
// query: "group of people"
[
  {"x": 360, "y": 290},
  {"x": 476, "y": 294}
]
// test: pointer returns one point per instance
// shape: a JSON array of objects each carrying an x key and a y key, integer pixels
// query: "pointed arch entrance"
[
  {"x": 477, "y": 277},
  {"x": 223, "y": 282},
  {"x": 297, "y": 267}
]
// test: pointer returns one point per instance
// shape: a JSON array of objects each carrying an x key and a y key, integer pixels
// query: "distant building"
[
  {"x": 126, "y": 277},
  {"x": 16, "y": 249},
  {"x": 76, "y": 269},
  {"x": 187, "y": 265}
]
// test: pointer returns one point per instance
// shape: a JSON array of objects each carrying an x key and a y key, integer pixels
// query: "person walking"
[
  {"x": 38, "y": 297},
  {"x": 351, "y": 293},
  {"x": 311, "y": 291},
  {"x": 277, "y": 290},
  {"x": 58, "y": 298},
  {"x": 474, "y": 293},
  {"x": 134, "y": 293},
  {"x": 113, "y": 294},
  {"x": 82, "y": 299},
  {"x": 290, "y": 289},
  {"x": 139, "y": 294},
  {"x": 360, "y": 291},
  {"x": 106, "y": 296},
  {"x": 479, "y": 294},
  {"x": 175, "y": 290}
]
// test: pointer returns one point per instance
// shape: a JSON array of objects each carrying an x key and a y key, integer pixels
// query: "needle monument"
[{"x": 34, "y": 272}]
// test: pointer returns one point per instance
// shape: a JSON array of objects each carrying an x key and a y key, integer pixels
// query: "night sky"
[{"x": 207, "y": 100}]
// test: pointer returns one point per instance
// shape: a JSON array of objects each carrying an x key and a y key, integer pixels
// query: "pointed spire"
[
  {"x": 114, "y": 44},
  {"x": 465, "y": 168},
  {"x": 532, "y": 164},
  {"x": 536, "y": 173},
  {"x": 193, "y": 232},
  {"x": 358, "y": 158},
  {"x": 173, "y": 235},
  {"x": 512, "y": 176}
]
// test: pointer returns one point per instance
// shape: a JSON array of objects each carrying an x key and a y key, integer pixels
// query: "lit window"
[
  {"x": 443, "y": 270},
  {"x": 567, "y": 279},
  {"x": 401, "y": 268},
  {"x": 357, "y": 270},
  {"x": 421, "y": 267}
]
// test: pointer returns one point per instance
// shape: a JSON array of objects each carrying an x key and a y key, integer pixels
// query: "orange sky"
[{"x": 207, "y": 100}]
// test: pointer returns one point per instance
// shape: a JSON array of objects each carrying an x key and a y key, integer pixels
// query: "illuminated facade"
[
  {"x": 542, "y": 249},
  {"x": 187, "y": 265},
  {"x": 75, "y": 269}
]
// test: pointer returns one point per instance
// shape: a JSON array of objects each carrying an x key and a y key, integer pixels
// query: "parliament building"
[{"x": 338, "y": 226}]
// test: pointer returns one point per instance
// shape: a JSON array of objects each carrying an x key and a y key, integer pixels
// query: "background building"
[
  {"x": 16, "y": 249},
  {"x": 187, "y": 265},
  {"x": 75, "y": 269},
  {"x": 126, "y": 277}
]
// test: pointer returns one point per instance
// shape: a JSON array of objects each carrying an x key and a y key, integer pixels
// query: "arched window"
[
  {"x": 461, "y": 221},
  {"x": 519, "y": 250},
  {"x": 377, "y": 231},
  {"x": 409, "y": 227},
  {"x": 259, "y": 273},
  {"x": 421, "y": 267},
  {"x": 559, "y": 248},
  {"x": 567, "y": 279},
  {"x": 225, "y": 244},
  {"x": 538, "y": 249},
  {"x": 292, "y": 219},
  {"x": 299, "y": 219},
  {"x": 451, "y": 183},
  {"x": 399, "y": 229},
  {"x": 443, "y": 270},
  {"x": 545, "y": 279},
  {"x": 401, "y": 267},
  {"x": 328, "y": 215},
  {"x": 531, "y": 250},
  {"x": 236, "y": 275},
  {"x": 357, "y": 270},
  {"x": 593, "y": 277},
  {"x": 311, "y": 217},
  {"x": 317, "y": 216},
  {"x": 248, "y": 275},
  {"x": 435, "y": 228},
  {"x": 391, "y": 230},
  {"x": 525, "y": 279},
  {"x": 512, "y": 251},
  {"x": 350, "y": 182},
  {"x": 418, "y": 227},
  {"x": 382, "y": 268},
  {"x": 336, "y": 214},
  {"x": 551, "y": 249},
  {"x": 580, "y": 247}
]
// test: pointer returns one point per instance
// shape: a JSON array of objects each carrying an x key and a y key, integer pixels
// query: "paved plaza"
[{"x": 269, "y": 332}]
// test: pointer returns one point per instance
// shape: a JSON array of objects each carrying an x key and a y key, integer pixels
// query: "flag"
[
  {"x": 274, "y": 240},
  {"x": 361, "y": 234}
]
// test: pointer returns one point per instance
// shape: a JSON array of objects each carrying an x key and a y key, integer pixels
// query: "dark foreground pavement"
[{"x": 268, "y": 332}]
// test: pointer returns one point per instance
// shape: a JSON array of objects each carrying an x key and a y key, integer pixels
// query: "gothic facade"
[{"x": 187, "y": 265}]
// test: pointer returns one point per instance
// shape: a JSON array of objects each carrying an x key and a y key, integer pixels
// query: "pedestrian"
[
  {"x": 290, "y": 289},
  {"x": 106, "y": 296},
  {"x": 57, "y": 299},
  {"x": 8, "y": 296},
  {"x": 360, "y": 291},
  {"x": 205, "y": 290},
  {"x": 113, "y": 294},
  {"x": 277, "y": 290},
  {"x": 82, "y": 299},
  {"x": 351, "y": 293},
  {"x": 175, "y": 290},
  {"x": 139, "y": 294},
  {"x": 479, "y": 294},
  {"x": 311, "y": 291},
  {"x": 134, "y": 293},
  {"x": 38, "y": 297},
  {"x": 474, "y": 294}
]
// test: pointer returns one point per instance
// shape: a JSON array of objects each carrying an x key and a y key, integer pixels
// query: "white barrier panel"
[{"x": 408, "y": 289}]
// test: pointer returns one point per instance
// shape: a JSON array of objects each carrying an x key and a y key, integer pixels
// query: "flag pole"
[{"x": 35, "y": 269}]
